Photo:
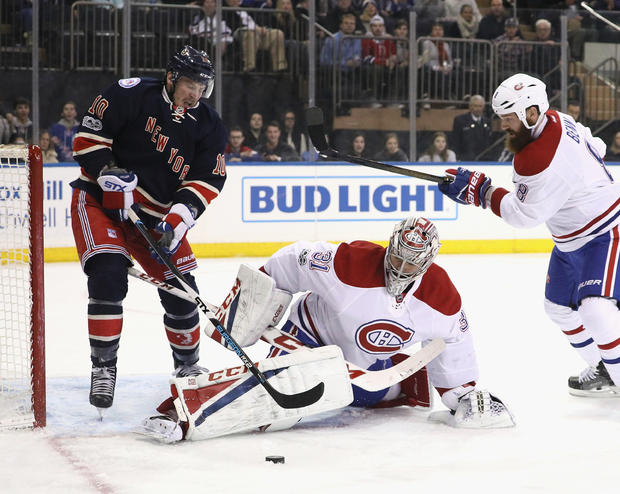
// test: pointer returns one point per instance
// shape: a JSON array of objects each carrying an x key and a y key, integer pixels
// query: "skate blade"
[
  {"x": 606, "y": 392},
  {"x": 101, "y": 413}
]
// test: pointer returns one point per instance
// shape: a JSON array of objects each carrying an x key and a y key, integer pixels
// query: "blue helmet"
[{"x": 193, "y": 64}]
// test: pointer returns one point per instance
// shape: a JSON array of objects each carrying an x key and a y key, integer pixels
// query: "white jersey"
[
  {"x": 349, "y": 306},
  {"x": 560, "y": 178}
]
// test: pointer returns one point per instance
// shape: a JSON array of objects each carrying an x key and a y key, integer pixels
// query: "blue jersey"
[{"x": 176, "y": 153}]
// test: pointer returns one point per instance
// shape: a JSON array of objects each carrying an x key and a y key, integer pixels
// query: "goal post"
[{"x": 22, "y": 328}]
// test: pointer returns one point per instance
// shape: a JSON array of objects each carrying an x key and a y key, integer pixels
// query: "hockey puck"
[{"x": 275, "y": 459}]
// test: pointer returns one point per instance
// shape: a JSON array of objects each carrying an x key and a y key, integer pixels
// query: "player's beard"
[{"x": 517, "y": 141}]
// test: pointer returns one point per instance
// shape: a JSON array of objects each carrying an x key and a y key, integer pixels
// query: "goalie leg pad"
[
  {"x": 252, "y": 304},
  {"x": 232, "y": 400}
]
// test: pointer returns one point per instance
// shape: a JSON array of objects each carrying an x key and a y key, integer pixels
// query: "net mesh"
[{"x": 15, "y": 289}]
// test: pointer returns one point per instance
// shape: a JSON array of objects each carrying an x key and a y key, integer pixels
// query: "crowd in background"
[{"x": 278, "y": 135}]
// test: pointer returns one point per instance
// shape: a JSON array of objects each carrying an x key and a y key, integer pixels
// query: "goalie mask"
[
  {"x": 193, "y": 64},
  {"x": 517, "y": 93},
  {"x": 413, "y": 246}
]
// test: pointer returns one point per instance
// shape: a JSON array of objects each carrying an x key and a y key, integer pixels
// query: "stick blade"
[
  {"x": 316, "y": 128},
  {"x": 299, "y": 400}
]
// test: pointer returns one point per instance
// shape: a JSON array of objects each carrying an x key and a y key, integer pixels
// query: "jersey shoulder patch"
[
  {"x": 131, "y": 82},
  {"x": 437, "y": 291},
  {"x": 538, "y": 154},
  {"x": 360, "y": 264}
]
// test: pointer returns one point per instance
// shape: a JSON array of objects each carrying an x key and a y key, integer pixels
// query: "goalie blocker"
[{"x": 230, "y": 400}]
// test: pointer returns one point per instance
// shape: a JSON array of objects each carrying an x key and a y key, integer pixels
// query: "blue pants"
[{"x": 591, "y": 271}]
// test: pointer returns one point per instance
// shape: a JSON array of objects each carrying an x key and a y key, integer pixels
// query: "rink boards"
[{"x": 264, "y": 206}]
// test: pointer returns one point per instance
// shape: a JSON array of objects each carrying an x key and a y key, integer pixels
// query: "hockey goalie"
[{"x": 363, "y": 306}]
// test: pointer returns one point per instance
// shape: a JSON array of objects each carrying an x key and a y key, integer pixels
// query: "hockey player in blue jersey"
[{"x": 158, "y": 144}]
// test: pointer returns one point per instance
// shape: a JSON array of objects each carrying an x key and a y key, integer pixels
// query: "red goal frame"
[{"x": 37, "y": 319}]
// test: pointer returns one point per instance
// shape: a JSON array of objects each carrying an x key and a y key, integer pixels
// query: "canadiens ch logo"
[{"x": 382, "y": 336}]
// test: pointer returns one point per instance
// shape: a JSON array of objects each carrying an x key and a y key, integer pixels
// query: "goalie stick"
[
  {"x": 316, "y": 131},
  {"x": 365, "y": 379},
  {"x": 297, "y": 400}
]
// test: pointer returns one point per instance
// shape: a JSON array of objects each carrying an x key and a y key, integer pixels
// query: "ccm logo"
[{"x": 382, "y": 336}]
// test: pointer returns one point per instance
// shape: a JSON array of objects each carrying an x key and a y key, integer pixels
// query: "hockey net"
[{"x": 22, "y": 362}]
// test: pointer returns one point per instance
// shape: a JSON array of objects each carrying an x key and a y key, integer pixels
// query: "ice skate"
[
  {"x": 102, "y": 383},
  {"x": 593, "y": 382},
  {"x": 189, "y": 370}
]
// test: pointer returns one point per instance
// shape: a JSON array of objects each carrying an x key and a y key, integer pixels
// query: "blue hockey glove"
[
  {"x": 467, "y": 188},
  {"x": 117, "y": 185},
  {"x": 173, "y": 227}
]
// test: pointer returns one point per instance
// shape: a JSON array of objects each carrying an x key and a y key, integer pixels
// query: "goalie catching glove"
[
  {"x": 173, "y": 227},
  {"x": 118, "y": 185},
  {"x": 472, "y": 408},
  {"x": 253, "y": 304}
]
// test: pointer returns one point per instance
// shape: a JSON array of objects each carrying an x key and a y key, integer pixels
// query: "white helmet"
[
  {"x": 517, "y": 93},
  {"x": 415, "y": 243}
]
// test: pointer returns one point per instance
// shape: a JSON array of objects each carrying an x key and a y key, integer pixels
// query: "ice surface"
[{"x": 561, "y": 443}]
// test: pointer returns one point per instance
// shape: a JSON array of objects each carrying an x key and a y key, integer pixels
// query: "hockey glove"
[
  {"x": 117, "y": 185},
  {"x": 173, "y": 227},
  {"x": 468, "y": 187}
]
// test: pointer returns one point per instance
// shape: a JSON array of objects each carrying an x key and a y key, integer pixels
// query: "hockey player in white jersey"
[
  {"x": 372, "y": 303},
  {"x": 560, "y": 179}
]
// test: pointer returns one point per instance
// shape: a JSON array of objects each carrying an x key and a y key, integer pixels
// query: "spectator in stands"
[
  {"x": 350, "y": 49},
  {"x": 395, "y": 10},
  {"x": 401, "y": 33},
  {"x": 546, "y": 57},
  {"x": 454, "y": 8},
  {"x": 471, "y": 132},
  {"x": 333, "y": 19},
  {"x": 48, "y": 153},
  {"x": 292, "y": 134},
  {"x": 358, "y": 146},
  {"x": 437, "y": 59},
  {"x": 467, "y": 23},
  {"x": 573, "y": 108},
  {"x": 295, "y": 32},
  {"x": 401, "y": 61},
  {"x": 21, "y": 125},
  {"x": 428, "y": 11},
  {"x": 379, "y": 58},
  {"x": 273, "y": 149},
  {"x": 492, "y": 24},
  {"x": 369, "y": 10},
  {"x": 438, "y": 150},
  {"x": 254, "y": 37},
  {"x": 63, "y": 132},
  {"x": 577, "y": 33},
  {"x": 235, "y": 150},
  {"x": 255, "y": 134},
  {"x": 5, "y": 130},
  {"x": 391, "y": 150},
  {"x": 511, "y": 54},
  {"x": 613, "y": 151},
  {"x": 204, "y": 23}
]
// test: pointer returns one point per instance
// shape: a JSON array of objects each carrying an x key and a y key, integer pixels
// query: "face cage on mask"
[{"x": 397, "y": 280}]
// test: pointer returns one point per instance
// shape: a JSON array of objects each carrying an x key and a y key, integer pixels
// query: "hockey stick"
[
  {"x": 365, "y": 379},
  {"x": 368, "y": 380},
  {"x": 599, "y": 16},
  {"x": 298, "y": 400},
  {"x": 316, "y": 131}
]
